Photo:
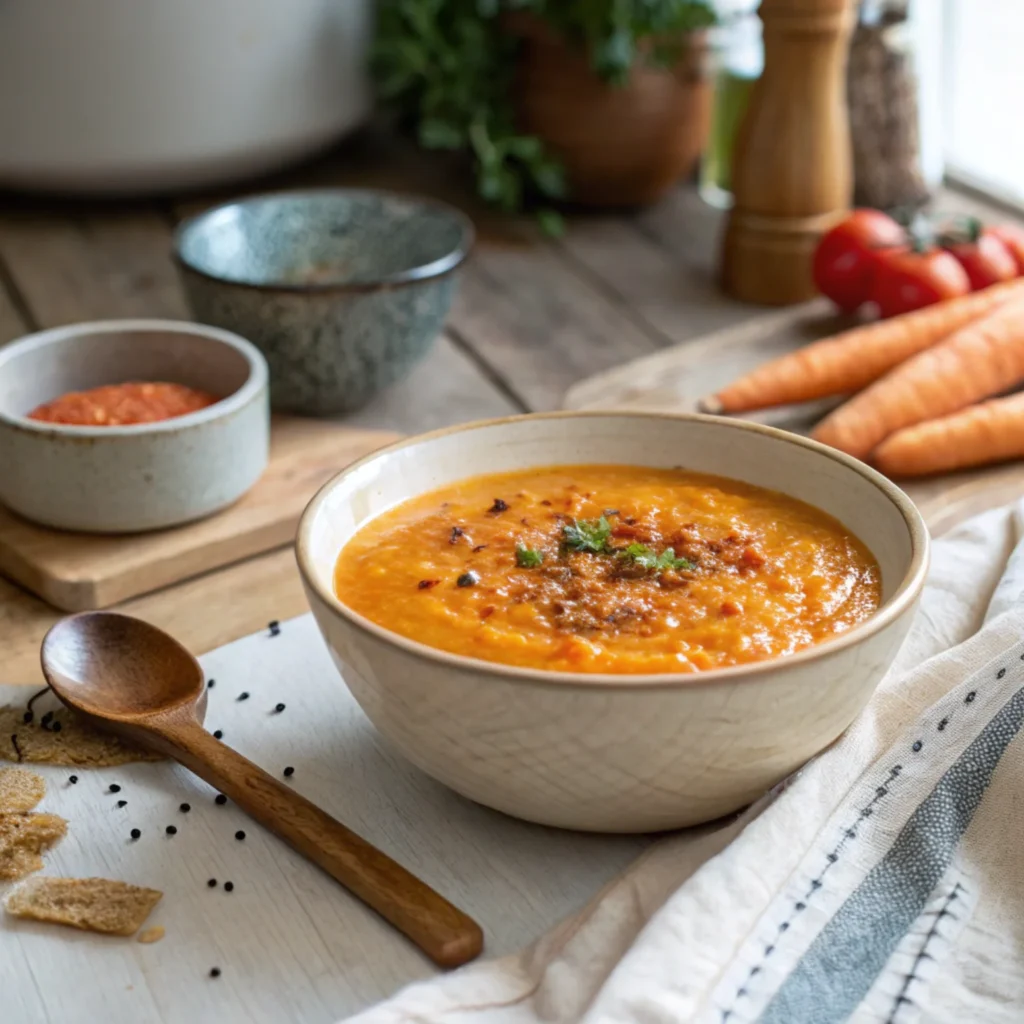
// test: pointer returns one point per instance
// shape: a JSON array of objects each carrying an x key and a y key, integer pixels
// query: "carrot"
[
  {"x": 851, "y": 360},
  {"x": 980, "y": 360},
  {"x": 990, "y": 432}
]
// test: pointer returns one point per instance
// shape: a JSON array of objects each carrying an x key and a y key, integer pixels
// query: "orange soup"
[
  {"x": 614, "y": 569},
  {"x": 118, "y": 405}
]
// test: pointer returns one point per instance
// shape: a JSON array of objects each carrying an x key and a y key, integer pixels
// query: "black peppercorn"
[
  {"x": 214, "y": 972},
  {"x": 239, "y": 835},
  {"x": 289, "y": 772},
  {"x": 279, "y": 708},
  {"x": 114, "y": 788},
  {"x": 243, "y": 695},
  {"x": 221, "y": 799},
  {"x": 136, "y": 833},
  {"x": 212, "y": 883},
  {"x": 185, "y": 808},
  {"x": 172, "y": 830},
  {"x": 27, "y": 717},
  {"x": 73, "y": 779},
  {"x": 211, "y": 683},
  {"x": 218, "y": 734},
  {"x": 122, "y": 803},
  {"x": 56, "y": 727},
  {"x": 467, "y": 579},
  {"x": 229, "y": 886}
]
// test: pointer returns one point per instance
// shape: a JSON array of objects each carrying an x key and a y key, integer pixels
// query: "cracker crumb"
[
  {"x": 91, "y": 904},
  {"x": 74, "y": 743},
  {"x": 20, "y": 789},
  {"x": 154, "y": 934},
  {"x": 23, "y": 837}
]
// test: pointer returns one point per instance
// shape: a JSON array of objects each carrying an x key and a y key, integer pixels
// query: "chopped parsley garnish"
[
  {"x": 587, "y": 535},
  {"x": 528, "y": 558},
  {"x": 644, "y": 556}
]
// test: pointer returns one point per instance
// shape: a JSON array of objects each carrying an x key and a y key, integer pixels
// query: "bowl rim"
[
  {"x": 257, "y": 381},
  {"x": 902, "y": 599},
  {"x": 431, "y": 271}
]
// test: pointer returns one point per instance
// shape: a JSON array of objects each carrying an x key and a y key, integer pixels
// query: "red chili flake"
[
  {"x": 479, "y": 548},
  {"x": 427, "y": 584},
  {"x": 486, "y": 613},
  {"x": 546, "y": 502},
  {"x": 498, "y": 507}
]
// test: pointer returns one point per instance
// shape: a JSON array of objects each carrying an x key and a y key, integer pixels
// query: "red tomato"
[
  {"x": 985, "y": 258},
  {"x": 1012, "y": 237},
  {"x": 844, "y": 260},
  {"x": 906, "y": 279}
]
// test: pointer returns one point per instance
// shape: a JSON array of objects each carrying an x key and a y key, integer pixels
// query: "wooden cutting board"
[
  {"x": 76, "y": 572},
  {"x": 674, "y": 379}
]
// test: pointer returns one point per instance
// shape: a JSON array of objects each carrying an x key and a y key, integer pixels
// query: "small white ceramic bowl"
[
  {"x": 130, "y": 478},
  {"x": 603, "y": 752}
]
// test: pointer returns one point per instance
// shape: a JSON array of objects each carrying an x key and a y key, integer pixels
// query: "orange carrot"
[
  {"x": 990, "y": 432},
  {"x": 980, "y": 360},
  {"x": 850, "y": 361}
]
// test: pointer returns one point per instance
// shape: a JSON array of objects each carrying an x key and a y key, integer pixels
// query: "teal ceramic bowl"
[{"x": 342, "y": 290}]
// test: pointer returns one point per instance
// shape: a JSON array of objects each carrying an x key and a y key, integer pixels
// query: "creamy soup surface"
[{"x": 611, "y": 569}]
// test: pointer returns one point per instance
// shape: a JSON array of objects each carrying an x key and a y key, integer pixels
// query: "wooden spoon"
[{"x": 132, "y": 679}]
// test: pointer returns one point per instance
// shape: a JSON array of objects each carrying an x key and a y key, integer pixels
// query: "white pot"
[{"x": 135, "y": 96}]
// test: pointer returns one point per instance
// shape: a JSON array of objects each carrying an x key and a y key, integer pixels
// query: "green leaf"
[
  {"x": 528, "y": 558},
  {"x": 437, "y": 134},
  {"x": 587, "y": 535},
  {"x": 551, "y": 222},
  {"x": 646, "y": 557}
]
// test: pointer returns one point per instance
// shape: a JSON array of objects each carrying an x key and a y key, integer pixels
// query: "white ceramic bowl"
[
  {"x": 140, "y": 477},
  {"x": 614, "y": 753}
]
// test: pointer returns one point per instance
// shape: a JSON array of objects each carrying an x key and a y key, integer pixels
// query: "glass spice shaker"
[
  {"x": 882, "y": 91},
  {"x": 739, "y": 61}
]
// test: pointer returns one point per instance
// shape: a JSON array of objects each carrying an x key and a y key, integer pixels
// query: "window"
[{"x": 982, "y": 87}]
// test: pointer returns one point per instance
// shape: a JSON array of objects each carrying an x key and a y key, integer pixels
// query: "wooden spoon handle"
[{"x": 448, "y": 936}]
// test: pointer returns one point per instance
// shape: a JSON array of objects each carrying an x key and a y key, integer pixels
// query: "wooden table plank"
[
  {"x": 85, "y": 263},
  {"x": 11, "y": 323}
]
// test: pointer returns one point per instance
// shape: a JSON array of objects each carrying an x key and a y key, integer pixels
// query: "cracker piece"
[
  {"x": 154, "y": 934},
  {"x": 20, "y": 789},
  {"x": 91, "y": 904},
  {"x": 23, "y": 837},
  {"x": 75, "y": 744}
]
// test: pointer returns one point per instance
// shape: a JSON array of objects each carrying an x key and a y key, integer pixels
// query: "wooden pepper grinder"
[{"x": 792, "y": 173}]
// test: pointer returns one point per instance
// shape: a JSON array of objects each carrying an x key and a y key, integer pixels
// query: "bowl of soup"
[
  {"x": 612, "y": 621},
  {"x": 123, "y": 426}
]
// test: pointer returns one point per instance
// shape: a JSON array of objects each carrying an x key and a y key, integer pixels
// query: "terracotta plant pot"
[{"x": 621, "y": 145}]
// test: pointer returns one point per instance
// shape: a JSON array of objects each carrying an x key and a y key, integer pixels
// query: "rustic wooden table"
[{"x": 533, "y": 317}]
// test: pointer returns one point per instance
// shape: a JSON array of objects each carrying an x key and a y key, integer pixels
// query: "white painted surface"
[{"x": 292, "y": 945}]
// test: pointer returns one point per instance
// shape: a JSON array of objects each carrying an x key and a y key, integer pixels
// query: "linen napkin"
[{"x": 883, "y": 883}]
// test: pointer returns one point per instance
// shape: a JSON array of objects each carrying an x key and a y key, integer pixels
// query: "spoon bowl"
[
  {"x": 119, "y": 670},
  {"x": 129, "y": 677}
]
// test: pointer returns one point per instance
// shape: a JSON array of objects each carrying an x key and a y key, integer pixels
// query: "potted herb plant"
[{"x": 602, "y": 102}]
